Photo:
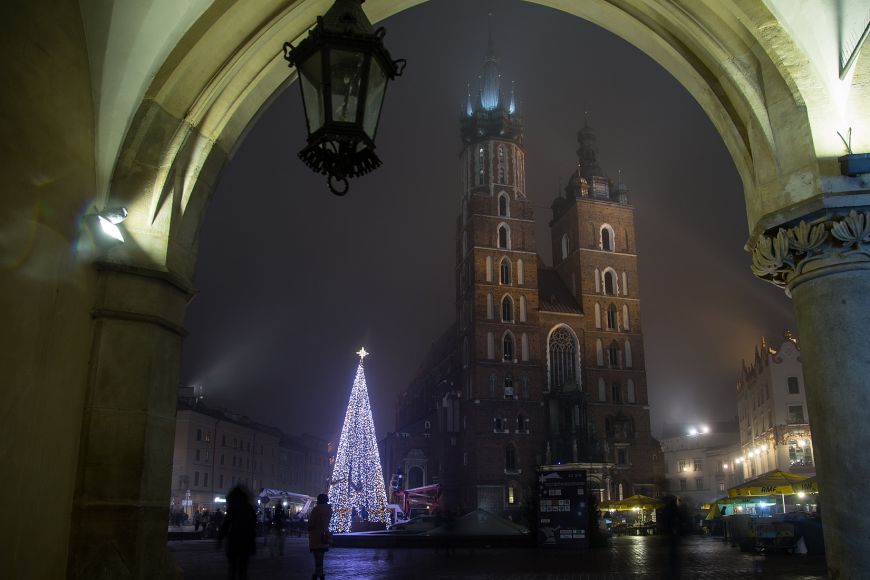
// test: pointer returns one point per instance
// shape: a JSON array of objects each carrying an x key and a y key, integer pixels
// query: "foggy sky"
[{"x": 293, "y": 280}]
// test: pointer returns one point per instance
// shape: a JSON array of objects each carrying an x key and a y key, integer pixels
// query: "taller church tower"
[{"x": 497, "y": 303}]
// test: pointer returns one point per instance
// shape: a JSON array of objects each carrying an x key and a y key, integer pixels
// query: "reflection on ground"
[{"x": 629, "y": 558}]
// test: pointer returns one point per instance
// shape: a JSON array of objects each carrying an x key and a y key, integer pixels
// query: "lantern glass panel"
[
  {"x": 346, "y": 69},
  {"x": 311, "y": 79},
  {"x": 374, "y": 98}
]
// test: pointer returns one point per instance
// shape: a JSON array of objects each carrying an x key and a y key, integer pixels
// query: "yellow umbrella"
[
  {"x": 773, "y": 483},
  {"x": 809, "y": 485},
  {"x": 607, "y": 505},
  {"x": 714, "y": 512}
]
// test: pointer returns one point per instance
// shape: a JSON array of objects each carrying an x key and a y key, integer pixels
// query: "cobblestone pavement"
[{"x": 627, "y": 558}]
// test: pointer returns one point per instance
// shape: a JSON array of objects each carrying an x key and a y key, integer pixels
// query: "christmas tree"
[{"x": 357, "y": 482}]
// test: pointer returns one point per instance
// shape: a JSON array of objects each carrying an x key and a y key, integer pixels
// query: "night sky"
[{"x": 293, "y": 280}]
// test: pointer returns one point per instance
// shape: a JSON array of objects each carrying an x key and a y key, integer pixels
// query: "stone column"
[
  {"x": 824, "y": 266},
  {"x": 121, "y": 502}
]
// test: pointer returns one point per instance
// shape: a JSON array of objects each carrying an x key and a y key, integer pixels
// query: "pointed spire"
[
  {"x": 490, "y": 53},
  {"x": 512, "y": 106},
  {"x": 469, "y": 107}
]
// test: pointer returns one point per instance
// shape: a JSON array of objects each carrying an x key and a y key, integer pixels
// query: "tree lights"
[{"x": 357, "y": 482}]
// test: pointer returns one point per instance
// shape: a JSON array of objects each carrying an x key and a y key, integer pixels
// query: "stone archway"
[{"x": 741, "y": 61}]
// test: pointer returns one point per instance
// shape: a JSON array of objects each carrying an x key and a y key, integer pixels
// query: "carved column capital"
[{"x": 823, "y": 246}]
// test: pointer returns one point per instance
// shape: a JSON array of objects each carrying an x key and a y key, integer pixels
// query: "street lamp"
[{"x": 343, "y": 71}]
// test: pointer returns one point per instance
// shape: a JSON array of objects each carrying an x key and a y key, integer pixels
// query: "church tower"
[
  {"x": 595, "y": 255},
  {"x": 497, "y": 302}
]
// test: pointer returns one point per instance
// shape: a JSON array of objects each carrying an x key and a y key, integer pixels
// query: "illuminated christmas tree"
[{"x": 357, "y": 482}]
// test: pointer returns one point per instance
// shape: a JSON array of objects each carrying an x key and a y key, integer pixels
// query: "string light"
[{"x": 357, "y": 481}]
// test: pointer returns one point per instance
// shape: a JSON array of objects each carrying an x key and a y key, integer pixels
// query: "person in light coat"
[{"x": 318, "y": 533}]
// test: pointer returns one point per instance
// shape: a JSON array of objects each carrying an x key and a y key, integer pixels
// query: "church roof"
[{"x": 554, "y": 296}]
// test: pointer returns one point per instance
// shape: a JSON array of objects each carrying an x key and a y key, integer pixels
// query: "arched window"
[
  {"x": 599, "y": 353},
  {"x": 613, "y": 355},
  {"x": 521, "y": 272},
  {"x": 415, "y": 477},
  {"x": 597, "y": 280},
  {"x": 507, "y": 309},
  {"x": 562, "y": 354},
  {"x": 626, "y": 322},
  {"x": 524, "y": 346},
  {"x": 566, "y": 245},
  {"x": 617, "y": 392},
  {"x": 501, "y": 164},
  {"x": 505, "y": 271},
  {"x": 597, "y": 315},
  {"x": 480, "y": 165},
  {"x": 503, "y": 205},
  {"x": 510, "y": 457},
  {"x": 489, "y": 307},
  {"x": 610, "y": 285},
  {"x": 612, "y": 319},
  {"x": 504, "y": 237},
  {"x": 602, "y": 390},
  {"x": 632, "y": 396},
  {"x": 508, "y": 347},
  {"x": 489, "y": 268},
  {"x": 522, "y": 308},
  {"x": 490, "y": 345},
  {"x": 607, "y": 238},
  {"x": 628, "y": 361}
]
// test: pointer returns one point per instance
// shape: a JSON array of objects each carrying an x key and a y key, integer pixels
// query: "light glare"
[{"x": 110, "y": 229}]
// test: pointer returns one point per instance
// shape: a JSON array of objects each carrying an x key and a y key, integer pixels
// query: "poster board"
[{"x": 563, "y": 504}]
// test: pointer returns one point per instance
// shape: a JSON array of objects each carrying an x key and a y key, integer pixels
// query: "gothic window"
[
  {"x": 610, "y": 286},
  {"x": 489, "y": 307},
  {"x": 617, "y": 392},
  {"x": 597, "y": 315},
  {"x": 562, "y": 348},
  {"x": 510, "y": 457},
  {"x": 508, "y": 347},
  {"x": 489, "y": 268},
  {"x": 607, "y": 241},
  {"x": 611, "y": 317},
  {"x": 501, "y": 164},
  {"x": 566, "y": 245},
  {"x": 480, "y": 172},
  {"x": 507, "y": 309},
  {"x": 504, "y": 237},
  {"x": 503, "y": 207},
  {"x": 613, "y": 355},
  {"x": 524, "y": 347},
  {"x": 626, "y": 322},
  {"x": 599, "y": 353},
  {"x": 521, "y": 272},
  {"x": 632, "y": 395},
  {"x": 505, "y": 271},
  {"x": 522, "y": 308},
  {"x": 628, "y": 361},
  {"x": 490, "y": 345},
  {"x": 602, "y": 390}
]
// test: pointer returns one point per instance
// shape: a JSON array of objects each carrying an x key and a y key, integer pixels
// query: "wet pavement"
[{"x": 626, "y": 558}]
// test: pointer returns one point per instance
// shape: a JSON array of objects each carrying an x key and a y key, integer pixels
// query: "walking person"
[
  {"x": 319, "y": 537},
  {"x": 238, "y": 527}
]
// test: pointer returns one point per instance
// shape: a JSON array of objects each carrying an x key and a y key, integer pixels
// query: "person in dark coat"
[
  {"x": 318, "y": 533},
  {"x": 238, "y": 527}
]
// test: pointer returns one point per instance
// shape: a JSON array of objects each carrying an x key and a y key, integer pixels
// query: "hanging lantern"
[{"x": 343, "y": 73}]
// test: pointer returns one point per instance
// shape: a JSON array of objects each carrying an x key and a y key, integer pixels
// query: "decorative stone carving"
[{"x": 805, "y": 248}]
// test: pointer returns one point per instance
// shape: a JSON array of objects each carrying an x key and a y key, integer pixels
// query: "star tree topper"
[{"x": 362, "y": 353}]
